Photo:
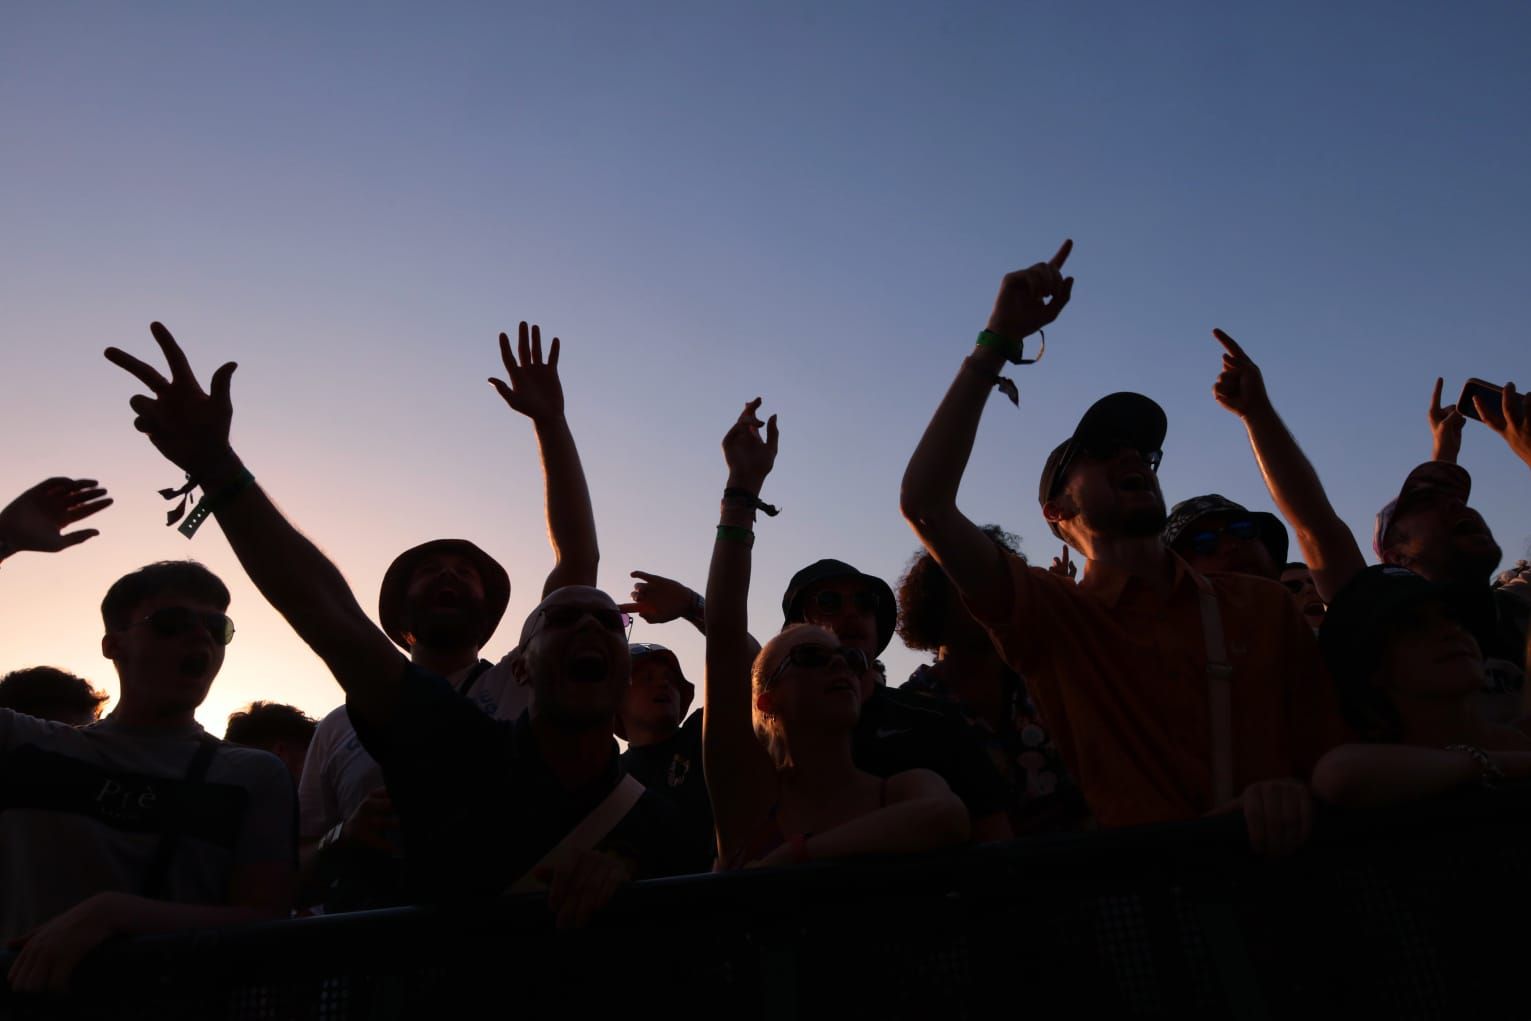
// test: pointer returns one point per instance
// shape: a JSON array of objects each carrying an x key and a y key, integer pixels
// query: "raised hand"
[
  {"x": 659, "y": 600},
  {"x": 189, "y": 426},
  {"x": 534, "y": 389},
  {"x": 1511, "y": 419},
  {"x": 1240, "y": 388},
  {"x": 749, "y": 457},
  {"x": 35, "y": 520},
  {"x": 1030, "y": 299},
  {"x": 1064, "y": 567},
  {"x": 1445, "y": 426}
]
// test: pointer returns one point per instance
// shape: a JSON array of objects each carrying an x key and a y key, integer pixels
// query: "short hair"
[
  {"x": 183, "y": 577},
  {"x": 263, "y": 724},
  {"x": 924, "y": 592},
  {"x": 48, "y": 692}
]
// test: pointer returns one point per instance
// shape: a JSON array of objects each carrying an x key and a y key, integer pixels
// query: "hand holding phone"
[{"x": 1487, "y": 392}]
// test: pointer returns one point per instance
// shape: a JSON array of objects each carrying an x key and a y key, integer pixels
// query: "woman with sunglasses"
[{"x": 776, "y": 742}]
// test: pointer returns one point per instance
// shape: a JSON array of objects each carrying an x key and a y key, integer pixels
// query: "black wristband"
[{"x": 748, "y": 499}]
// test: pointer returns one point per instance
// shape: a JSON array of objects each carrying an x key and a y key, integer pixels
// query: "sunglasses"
[
  {"x": 829, "y": 602},
  {"x": 811, "y": 656},
  {"x": 568, "y": 616},
  {"x": 1206, "y": 540},
  {"x": 1294, "y": 586},
  {"x": 170, "y": 621},
  {"x": 1106, "y": 450}
]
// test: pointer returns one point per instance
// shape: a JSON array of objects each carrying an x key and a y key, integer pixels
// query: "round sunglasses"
[{"x": 171, "y": 621}]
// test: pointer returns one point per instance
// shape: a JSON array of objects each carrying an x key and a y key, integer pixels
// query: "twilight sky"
[{"x": 709, "y": 201}]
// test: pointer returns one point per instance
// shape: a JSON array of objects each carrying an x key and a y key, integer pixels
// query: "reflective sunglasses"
[
  {"x": 1205, "y": 541},
  {"x": 170, "y": 621},
  {"x": 812, "y": 656},
  {"x": 1106, "y": 450},
  {"x": 829, "y": 602},
  {"x": 568, "y": 616}
]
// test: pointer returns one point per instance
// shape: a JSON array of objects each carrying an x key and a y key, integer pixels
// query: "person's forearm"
[
  {"x": 289, "y": 570},
  {"x": 571, "y": 520},
  {"x": 935, "y": 469},
  {"x": 1327, "y": 544},
  {"x": 725, "y": 619},
  {"x": 132, "y": 915},
  {"x": 922, "y": 824},
  {"x": 1364, "y": 775}
]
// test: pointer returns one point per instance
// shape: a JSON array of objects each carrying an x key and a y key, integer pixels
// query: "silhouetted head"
[
  {"x": 1102, "y": 481},
  {"x": 166, "y": 631},
  {"x": 446, "y": 595},
  {"x": 806, "y": 684},
  {"x": 573, "y": 653}
]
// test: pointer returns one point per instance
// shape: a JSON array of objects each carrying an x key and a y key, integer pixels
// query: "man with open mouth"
[
  {"x": 1171, "y": 694},
  {"x": 485, "y": 805}
]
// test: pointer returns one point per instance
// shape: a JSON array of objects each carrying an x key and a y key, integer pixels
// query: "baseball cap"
[
  {"x": 1433, "y": 478},
  {"x": 1125, "y": 417}
]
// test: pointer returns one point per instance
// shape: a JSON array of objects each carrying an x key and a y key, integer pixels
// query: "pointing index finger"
[
  {"x": 1435, "y": 396},
  {"x": 1229, "y": 344},
  {"x": 1062, "y": 256}
]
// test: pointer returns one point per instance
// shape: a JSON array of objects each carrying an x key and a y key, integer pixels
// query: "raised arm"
[
  {"x": 535, "y": 391},
  {"x": 1327, "y": 544},
  {"x": 741, "y": 778},
  {"x": 1445, "y": 427},
  {"x": 36, "y": 519},
  {"x": 1511, "y": 420},
  {"x": 928, "y": 497},
  {"x": 191, "y": 428}
]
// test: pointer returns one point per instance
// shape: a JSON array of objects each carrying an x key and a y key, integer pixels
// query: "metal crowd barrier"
[{"x": 1411, "y": 912}]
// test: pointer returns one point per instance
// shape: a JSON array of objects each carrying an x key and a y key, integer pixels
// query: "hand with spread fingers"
[
  {"x": 36, "y": 519},
  {"x": 659, "y": 600},
  {"x": 533, "y": 388},
  {"x": 1240, "y": 387},
  {"x": 1445, "y": 427},
  {"x": 1030, "y": 299},
  {"x": 750, "y": 458},
  {"x": 1510, "y": 419},
  {"x": 185, "y": 423}
]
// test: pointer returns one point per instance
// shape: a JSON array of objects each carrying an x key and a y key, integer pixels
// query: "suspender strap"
[
  {"x": 159, "y": 866},
  {"x": 1219, "y": 695},
  {"x": 591, "y": 830}
]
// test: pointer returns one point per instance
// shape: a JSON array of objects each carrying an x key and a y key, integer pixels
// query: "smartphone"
[{"x": 1488, "y": 393}]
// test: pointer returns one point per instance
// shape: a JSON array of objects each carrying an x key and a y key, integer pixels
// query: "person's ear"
[
  {"x": 1395, "y": 557},
  {"x": 518, "y": 668},
  {"x": 765, "y": 703},
  {"x": 110, "y": 647},
  {"x": 1058, "y": 510}
]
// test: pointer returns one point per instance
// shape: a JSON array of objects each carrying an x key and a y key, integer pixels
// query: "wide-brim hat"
[
  {"x": 828, "y": 570},
  {"x": 391, "y": 598},
  {"x": 640, "y": 650},
  {"x": 1183, "y": 515},
  {"x": 1127, "y": 417}
]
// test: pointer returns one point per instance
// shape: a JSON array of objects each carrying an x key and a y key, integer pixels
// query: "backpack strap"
[
  {"x": 1219, "y": 693},
  {"x": 155, "y": 879},
  {"x": 590, "y": 831},
  {"x": 479, "y": 669}
]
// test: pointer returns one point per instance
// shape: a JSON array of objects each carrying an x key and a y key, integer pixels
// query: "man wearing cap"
[
  {"x": 663, "y": 753},
  {"x": 897, "y": 731},
  {"x": 441, "y": 601},
  {"x": 1170, "y": 693},
  {"x": 484, "y": 804},
  {"x": 1427, "y": 527},
  {"x": 1212, "y": 533}
]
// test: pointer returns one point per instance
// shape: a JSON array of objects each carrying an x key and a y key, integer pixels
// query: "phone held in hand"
[{"x": 1485, "y": 391}]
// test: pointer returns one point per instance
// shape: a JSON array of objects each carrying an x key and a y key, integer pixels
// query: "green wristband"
[
  {"x": 733, "y": 533},
  {"x": 1013, "y": 350}
]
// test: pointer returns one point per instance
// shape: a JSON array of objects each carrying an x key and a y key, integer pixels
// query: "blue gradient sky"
[{"x": 810, "y": 202}]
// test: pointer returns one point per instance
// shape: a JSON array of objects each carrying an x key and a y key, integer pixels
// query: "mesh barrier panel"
[{"x": 1389, "y": 914}]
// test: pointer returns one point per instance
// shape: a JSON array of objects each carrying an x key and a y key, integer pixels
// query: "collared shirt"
[
  {"x": 1119, "y": 672},
  {"x": 479, "y": 806}
]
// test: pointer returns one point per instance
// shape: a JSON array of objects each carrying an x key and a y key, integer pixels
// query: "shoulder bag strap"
[
  {"x": 590, "y": 830},
  {"x": 159, "y": 866}
]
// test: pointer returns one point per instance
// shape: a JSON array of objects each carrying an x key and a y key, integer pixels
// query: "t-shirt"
[
  {"x": 898, "y": 731},
  {"x": 339, "y": 773},
  {"x": 672, "y": 769},
  {"x": 1043, "y": 797},
  {"x": 1120, "y": 675},
  {"x": 478, "y": 805},
  {"x": 83, "y": 811}
]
